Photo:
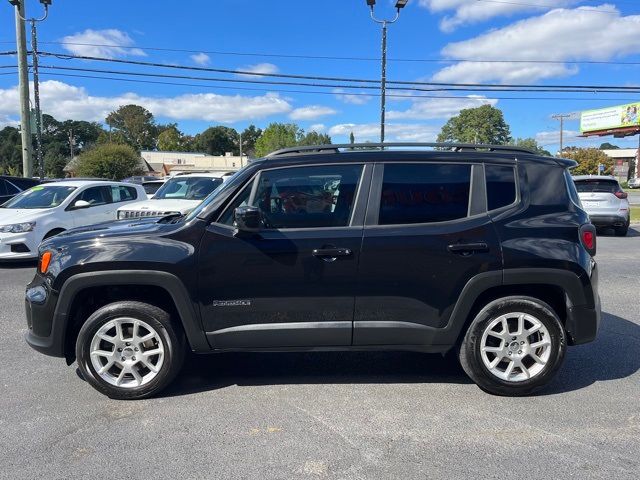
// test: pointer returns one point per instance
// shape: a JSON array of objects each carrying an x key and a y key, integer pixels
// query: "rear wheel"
[
  {"x": 129, "y": 350},
  {"x": 623, "y": 230},
  {"x": 514, "y": 346}
]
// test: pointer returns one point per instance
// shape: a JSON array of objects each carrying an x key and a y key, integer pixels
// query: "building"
[
  {"x": 623, "y": 160},
  {"x": 170, "y": 163}
]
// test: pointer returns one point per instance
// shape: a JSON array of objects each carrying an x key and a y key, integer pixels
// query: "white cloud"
[
  {"x": 318, "y": 127},
  {"x": 445, "y": 108},
  {"x": 311, "y": 112},
  {"x": 474, "y": 11},
  {"x": 89, "y": 43},
  {"x": 65, "y": 101},
  {"x": 200, "y": 58},
  {"x": 7, "y": 121},
  {"x": 559, "y": 35},
  {"x": 370, "y": 132},
  {"x": 266, "y": 68},
  {"x": 351, "y": 98}
]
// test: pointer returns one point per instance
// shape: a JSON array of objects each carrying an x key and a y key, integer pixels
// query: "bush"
[{"x": 110, "y": 161}]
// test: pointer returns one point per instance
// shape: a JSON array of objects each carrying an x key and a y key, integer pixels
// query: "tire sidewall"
[
  {"x": 156, "y": 318},
  {"x": 471, "y": 357}
]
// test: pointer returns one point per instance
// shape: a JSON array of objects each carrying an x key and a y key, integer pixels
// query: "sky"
[{"x": 447, "y": 41}]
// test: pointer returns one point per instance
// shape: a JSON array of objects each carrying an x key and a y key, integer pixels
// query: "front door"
[
  {"x": 426, "y": 235},
  {"x": 293, "y": 283},
  {"x": 101, "y": 208}
]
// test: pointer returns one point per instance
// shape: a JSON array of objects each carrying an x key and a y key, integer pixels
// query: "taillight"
[
  {"x": 622, "y": 195},
  {"x": 45, "y": 260},
  {"x": 588, "y": 238}
]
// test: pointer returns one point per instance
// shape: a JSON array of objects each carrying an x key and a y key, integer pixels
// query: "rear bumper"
[{"x": 609, "y": 220}]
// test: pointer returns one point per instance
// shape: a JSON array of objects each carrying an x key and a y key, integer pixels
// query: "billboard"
[{"x": 623, "y": 116}]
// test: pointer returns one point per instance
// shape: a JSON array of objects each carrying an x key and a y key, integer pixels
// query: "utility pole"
[
  {"x": 240, "y": 135},
  {"x": 400, "y": 4},
  {"x": 561, "y": 117},
  {"x": 36, "y": 95},
  {"x": 23, "y": 88},
  {"x": 71, "y": 142}
]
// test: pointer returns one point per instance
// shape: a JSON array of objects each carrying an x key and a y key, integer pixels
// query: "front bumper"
[
  {"x": 609, "y": 220},
  {"x": 26, "y": 239},
  {"x": 583, "y": 321},
  {"x": 43, "y": 334}
]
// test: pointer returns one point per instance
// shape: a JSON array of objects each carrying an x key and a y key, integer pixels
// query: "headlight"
[{"x": 18, "y": 227}]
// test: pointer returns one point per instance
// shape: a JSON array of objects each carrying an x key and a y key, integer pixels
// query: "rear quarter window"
[{"x": 501, "y": 186}]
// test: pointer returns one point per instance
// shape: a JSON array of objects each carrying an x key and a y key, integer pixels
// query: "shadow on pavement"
[
  {"x": 614, "y": 355},
  {"x": 17, "y": 264},
  {"x": 610, "y": 232}
]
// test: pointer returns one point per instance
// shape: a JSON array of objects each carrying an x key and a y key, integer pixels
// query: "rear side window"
[
  {"x": 501, "y": 186},
  {"x": 3, "y": 189},
  {"x": 424, "y": 193},
  {"x": 121, "y": 193}
]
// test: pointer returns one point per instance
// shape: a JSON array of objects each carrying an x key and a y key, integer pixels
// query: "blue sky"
[{"x": 440, "y": 31}]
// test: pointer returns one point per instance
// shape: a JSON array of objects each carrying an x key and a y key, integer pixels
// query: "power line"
[
  {"x": 335, "y": 79},
  {"x": 332, "y": 93}
]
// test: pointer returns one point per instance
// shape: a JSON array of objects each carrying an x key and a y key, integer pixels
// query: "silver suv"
[{"x": 604, "y": 201}]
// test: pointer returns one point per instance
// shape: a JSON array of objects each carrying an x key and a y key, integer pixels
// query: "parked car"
[
  {"x": 479, "y": 250},
  {"x": 49, "y": 209},
  {"x": 605, "y": 202},
  {"x": 139, "y": 179},
  {"x": 152, "y": 186},
  {"x": 634, "y": 183},
  {"x": 12, "y": 186},
  {"x": 178, "y": 195}
]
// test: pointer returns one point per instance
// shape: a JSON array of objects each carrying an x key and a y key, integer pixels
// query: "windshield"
[
  {"x": 602, "y": 186},
  {"x": 187, "y": 188},
  {"x": 40, "y": 197}
]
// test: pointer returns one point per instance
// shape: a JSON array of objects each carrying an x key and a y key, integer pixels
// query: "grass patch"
[{"x": 635, "y": 213}]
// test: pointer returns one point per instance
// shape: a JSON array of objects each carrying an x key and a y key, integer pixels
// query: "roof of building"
[{"x": 621, "y": 153}]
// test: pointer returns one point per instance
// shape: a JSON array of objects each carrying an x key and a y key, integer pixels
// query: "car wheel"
[
  {"x": 129, "y": 350},
  {"x": 622, "y": 231},
  {"x": 514, "y": 346}
]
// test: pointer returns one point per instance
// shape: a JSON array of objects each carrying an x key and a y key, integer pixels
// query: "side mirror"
[
  {"x": 81, "y": 204},
  {"x": 248, "y": 219}
]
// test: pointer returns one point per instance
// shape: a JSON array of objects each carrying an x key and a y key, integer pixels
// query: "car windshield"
[
  {"x": 49, "y": 196},
  {"x": 600, "y": 186},
  {"x": 229, "y": 183},
  {"x": 187, "y": 188}
]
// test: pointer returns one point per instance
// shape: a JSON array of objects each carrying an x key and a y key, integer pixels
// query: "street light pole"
[
  {"x": 23, "y": 81},
  {"x": 383, "y": 80}
]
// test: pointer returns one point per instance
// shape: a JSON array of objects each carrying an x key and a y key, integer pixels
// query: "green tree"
[
  {"x": 609, "y": 146},
  {"x": 54, "y": 164},
  {"x": 277, "y": 136},
  {"x": 171, "y": 139},
  {"x": 217, "y": 140},
  {"x": 588, "y": 160},
  {"x": 314, "y": 138},
  {"x": 483, "y": 124},
  {"x": 531, "y": 144},
  {"x": 136, "y": 124},
  {"x": 250, "y": 136},
  {"x": 10, "y": 150},
  {"x": 352, "y": 138},
  {"x": 111, "y": 161}
]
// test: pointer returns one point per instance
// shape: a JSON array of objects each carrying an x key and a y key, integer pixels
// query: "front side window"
[
  {"x": 501, "y": 186},
  {"x": 424, "y": 193},
  {"x": 307, "y": 197},
  {"x": 95, "y": 196},
  {"x": 120, "y": 193},
  {"x": 40, "y": 197},
  {"x": 187, "y": 188}
]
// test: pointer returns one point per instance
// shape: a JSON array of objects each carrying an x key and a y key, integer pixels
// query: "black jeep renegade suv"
[{"x": 480, "y": 250}]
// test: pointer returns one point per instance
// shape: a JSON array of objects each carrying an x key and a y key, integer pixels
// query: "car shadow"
[
  {"x": 610, "y": 232},
  {"x": 614, "y": 355},
  {"x": 17, "y": 264}
]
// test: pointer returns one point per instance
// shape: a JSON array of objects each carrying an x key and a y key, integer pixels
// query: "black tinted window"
[
  {"x": 424, "y": 193},
  {"x": 501, "y": 186},
  {"x": 95, "y": 196},
  {"x": 305, "y": 197},
  {"x": 11, "y": 188},
  {"x": 599, "y": 186},
  {"x": 3, "y": 189}
]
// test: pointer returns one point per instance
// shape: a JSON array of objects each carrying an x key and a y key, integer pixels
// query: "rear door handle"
[
  {"x": 331, "y": 254},
  {"x": 468, "y": 248}
]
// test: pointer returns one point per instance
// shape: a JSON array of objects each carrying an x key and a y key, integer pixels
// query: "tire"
[
  {"x": 142, "y": 351},
  {"x": 622, "y": 231},
  {"x": 484, "y": 353}
]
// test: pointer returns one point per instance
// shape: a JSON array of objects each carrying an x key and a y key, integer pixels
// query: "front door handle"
[
  {"x": 331, "y": 254},
  {"x": 468, "y": 248}
]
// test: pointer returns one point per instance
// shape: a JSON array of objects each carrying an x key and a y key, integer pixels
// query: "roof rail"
[{"x": 456, "y": 147}]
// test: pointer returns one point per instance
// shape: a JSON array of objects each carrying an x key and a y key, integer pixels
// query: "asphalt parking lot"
[{"x": 336, "y": 415}]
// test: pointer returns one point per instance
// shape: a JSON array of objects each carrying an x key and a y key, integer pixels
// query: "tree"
[
  {"x": 314, "y": 138},
  {"x": 588, "y": 160},
  {"x": 136, "y": 124},
  {"x": 531, "y": 144},
  {"x": 54, "y": 164},
  {"x": 250, "y": 136},
  {"x": 483, "y": 124},
  {"x": 609, "y": 146},
  {"x": 10, "y": 150},
  {"x": 171, "y": 139},
  {"x": 217, "y": 140},
  {"x": 111, "y": 161},
  {"x": 277, "y": 136},
  {"x": 352, "y": 138}
]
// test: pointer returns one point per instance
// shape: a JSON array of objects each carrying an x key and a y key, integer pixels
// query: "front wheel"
[
  {"x": 129, "y": 350},
  {"x": 514, "y": 346}
]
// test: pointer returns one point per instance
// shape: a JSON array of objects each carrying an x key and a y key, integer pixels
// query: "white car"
[
  {"x": 178, "y": 195},
  {"x": 51, "y": 208}
]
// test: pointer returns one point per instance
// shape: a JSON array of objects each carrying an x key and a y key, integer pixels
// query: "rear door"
[
  {"x": 292, "y": 284},
  {"x": 426, "y": 235}
]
